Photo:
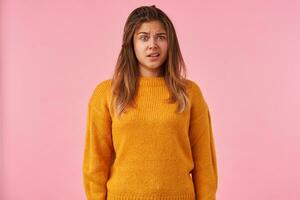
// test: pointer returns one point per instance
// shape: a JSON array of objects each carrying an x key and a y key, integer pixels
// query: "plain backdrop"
[{"x": 245, "y": 56}]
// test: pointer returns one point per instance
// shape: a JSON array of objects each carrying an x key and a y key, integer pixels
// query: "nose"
[{"x": 152, "y": 42}]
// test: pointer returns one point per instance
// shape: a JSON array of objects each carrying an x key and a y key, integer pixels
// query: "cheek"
[
  {"x": 139, "y": 49},
  {"x": 165, "y": 48},
  {"x": 163, "y": 45}
]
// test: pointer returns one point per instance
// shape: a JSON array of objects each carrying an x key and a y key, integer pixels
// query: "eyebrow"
[{"x": 162, "y": 33}]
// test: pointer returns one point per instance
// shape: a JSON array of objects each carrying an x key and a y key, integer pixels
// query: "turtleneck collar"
[{"x": 151, "y": 81}]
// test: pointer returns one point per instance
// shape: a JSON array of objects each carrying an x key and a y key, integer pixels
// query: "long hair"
[{"x": 126, "y": 74}]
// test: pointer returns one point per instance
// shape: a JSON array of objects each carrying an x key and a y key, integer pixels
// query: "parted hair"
[{"x": 126, "y": 73}]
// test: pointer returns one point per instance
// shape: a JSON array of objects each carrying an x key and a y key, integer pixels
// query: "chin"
[{"x": 153, "y": 66}]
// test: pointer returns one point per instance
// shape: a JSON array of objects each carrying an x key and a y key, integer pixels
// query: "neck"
[{"x": 151, "y": 80}]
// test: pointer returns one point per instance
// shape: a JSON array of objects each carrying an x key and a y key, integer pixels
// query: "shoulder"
[
  {"x": 100, "y": 92},
  {"x": 103, "y": 85},
  {"x": 193, "y": 88},
  {"x": 195, "y": 93}
]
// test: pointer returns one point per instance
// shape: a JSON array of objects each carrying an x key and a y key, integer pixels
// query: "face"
[{"x": 150, "y": 47}]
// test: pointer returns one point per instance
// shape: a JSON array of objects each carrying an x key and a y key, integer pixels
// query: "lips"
[{"x": 153, "y": 54}]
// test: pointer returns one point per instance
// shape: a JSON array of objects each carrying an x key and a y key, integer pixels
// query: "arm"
[
  {"x": 204, "y": 174},
  {"x": 98, "y": 149}
]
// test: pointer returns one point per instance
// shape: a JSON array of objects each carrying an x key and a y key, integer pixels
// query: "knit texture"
[{"x": 151, "y": 152}]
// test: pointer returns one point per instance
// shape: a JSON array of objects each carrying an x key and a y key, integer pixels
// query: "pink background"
[{"x": 245, "y": 55}]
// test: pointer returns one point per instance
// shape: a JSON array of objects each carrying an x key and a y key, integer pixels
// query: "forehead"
[{"x": 151, "y": 27}]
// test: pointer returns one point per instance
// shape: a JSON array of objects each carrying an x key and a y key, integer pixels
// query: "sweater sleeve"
[
  {"x": 98, "y": 149},
  {"x": 204, "y": 174}
]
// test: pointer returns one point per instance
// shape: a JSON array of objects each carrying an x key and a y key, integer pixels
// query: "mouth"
[{"x": 153, "y": 55}]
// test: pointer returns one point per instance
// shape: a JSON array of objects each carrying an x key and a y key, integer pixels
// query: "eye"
[
  {"x": 143, "y": 38},
  {"x": 161, "y": 37}
]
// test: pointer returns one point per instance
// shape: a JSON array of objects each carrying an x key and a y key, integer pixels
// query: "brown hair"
[{"x": 126, "y": 74}]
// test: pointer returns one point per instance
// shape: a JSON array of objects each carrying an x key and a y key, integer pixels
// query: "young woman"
[{"x": 149, "y": 133}]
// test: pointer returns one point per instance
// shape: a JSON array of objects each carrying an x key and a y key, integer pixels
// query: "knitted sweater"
[{"x": 151, "y": 152}]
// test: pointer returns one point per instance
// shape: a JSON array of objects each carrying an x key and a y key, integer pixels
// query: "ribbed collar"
[{"x": 151, "y": 81}]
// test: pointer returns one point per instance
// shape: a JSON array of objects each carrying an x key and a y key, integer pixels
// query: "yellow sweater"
[{"x": 150, "y": 153}]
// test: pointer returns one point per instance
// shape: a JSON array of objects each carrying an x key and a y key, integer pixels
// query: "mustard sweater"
[{"x": 151, "y": 152}]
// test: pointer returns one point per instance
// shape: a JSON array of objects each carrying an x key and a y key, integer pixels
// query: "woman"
[{"x": 149, "y": 133}]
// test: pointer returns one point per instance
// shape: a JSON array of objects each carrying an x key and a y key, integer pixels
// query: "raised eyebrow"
[{"x": 148, "y": 33}]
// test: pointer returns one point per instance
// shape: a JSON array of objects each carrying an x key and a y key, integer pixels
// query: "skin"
[{"x": 153, "y": 40}]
